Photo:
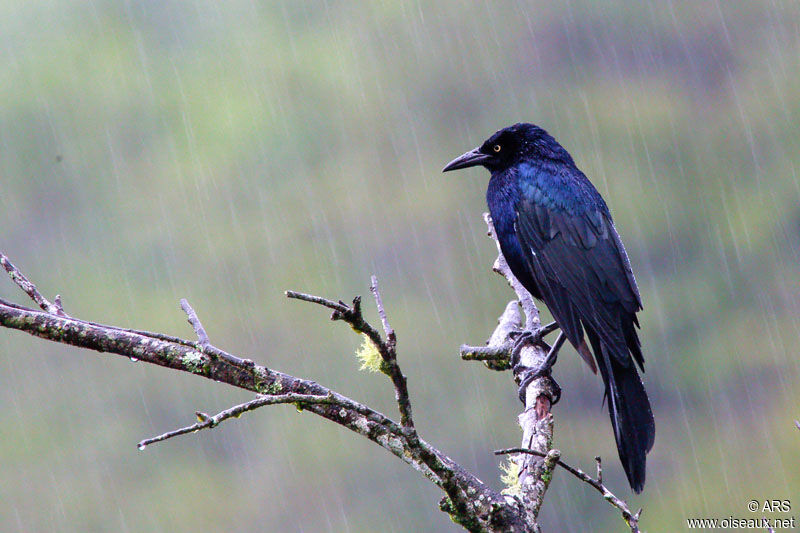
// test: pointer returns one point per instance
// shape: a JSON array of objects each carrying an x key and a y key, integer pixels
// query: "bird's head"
[{"x": 510, "y": 146}]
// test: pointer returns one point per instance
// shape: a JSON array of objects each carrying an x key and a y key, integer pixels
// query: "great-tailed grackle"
[{"x": 558, "y": 237}]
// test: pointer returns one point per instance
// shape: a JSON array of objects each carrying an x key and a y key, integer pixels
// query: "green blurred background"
[{"x": 225, "y": 152}]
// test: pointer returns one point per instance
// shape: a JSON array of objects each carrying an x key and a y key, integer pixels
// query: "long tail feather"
[{"x": 629, "y": 409}]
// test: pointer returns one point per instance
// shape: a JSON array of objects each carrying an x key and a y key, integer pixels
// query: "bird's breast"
[{"x": 502, "y": 197}]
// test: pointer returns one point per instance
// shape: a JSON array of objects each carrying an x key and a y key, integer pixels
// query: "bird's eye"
[{"x": 496, "y": 147}]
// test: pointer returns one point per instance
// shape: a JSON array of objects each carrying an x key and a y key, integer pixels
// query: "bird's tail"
[{"x": 629, "y": 408}]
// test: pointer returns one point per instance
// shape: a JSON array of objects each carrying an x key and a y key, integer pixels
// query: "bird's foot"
[
  {"x": 529, "y": 374},
  {"x": 521, "y": 339},
  {"x": 526, "y": 337},
  {"x": 544, "y": 369}
]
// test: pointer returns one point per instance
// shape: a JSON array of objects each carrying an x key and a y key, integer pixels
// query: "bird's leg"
[
  {"x": 548, "y": 329},
  {"x": 543, "y": 369}
]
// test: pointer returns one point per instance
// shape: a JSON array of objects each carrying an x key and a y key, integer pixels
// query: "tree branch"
[
  {"x": 494, "y": 357},
  {"x": 386, "y": 348},
  {"x": 200, "y": 331},
  {"x": 632, "y": 519},
  {"x": 387, "y": 329},
  {"x": 207, "y": 422},
  {"x": 30, "y": 289},
  {"x": 390, "y": 358},
  {"x": 534, "y": 474},
  {"x": 205, "y": 343},
  {"x": 469, "y": 501}
]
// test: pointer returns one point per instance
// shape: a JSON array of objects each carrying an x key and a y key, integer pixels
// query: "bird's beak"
[{"x": 470, "y": 159}]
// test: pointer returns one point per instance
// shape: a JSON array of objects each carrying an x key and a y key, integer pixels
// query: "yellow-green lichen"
[
  {"x": 510, "y": 478},
  {"x": 369, "y": 356}
]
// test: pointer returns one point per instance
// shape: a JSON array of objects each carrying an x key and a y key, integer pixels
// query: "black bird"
[{"x": 558, "y": 237}]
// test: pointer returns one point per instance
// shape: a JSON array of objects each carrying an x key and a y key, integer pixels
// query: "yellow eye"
[{"x": 496, "y": 147}]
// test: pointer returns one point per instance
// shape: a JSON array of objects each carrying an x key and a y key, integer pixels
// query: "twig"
[
  {"x": 57, "y": 309},
  {"x": 495, "y": 357},
  {"x": 339, "y": 306},
  {"x": 497, "y": 352},
  {"x": 390, "y": 357},
  {"x": 599, "y": 468},
  {"x": 204, "y": 342},
  {"x": 202, "y": 336},
  {"x": 386, "y": 348},
  {"x": 499, "y": 357},
  {"x": 59, "y": 306},
  {"x": 391, "y": 338},
  {"x": 500, "y": 266},
  {"x": 207, "y": 422},
  {"x": 30, "y": 289},
  {"x": 632, "y": 519}
]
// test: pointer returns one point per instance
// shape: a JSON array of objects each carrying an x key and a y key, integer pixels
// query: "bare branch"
[
  {"x": 59, "y": 307},
  {"x": 202, "y": 336},
  {"x": 29, "y": 288},
  {"x": 495, "y": 357},
  {"x": 57, "y": 303},
  {"x": 468, "y": 501},
  {"x": 388, "y": 330},
  {"x": 599, "y": 469},
  {"x": 389, "y": 354},
  {"x": 205, "y": 344},
  {"x": 339, "y": 306},
  {"x": 497, "y": 352},
  {"x": 386, "y": 348},
  {"x": 208, "y": 422},
  {"x": 536, "y": 421},
  {"x": 632, "y": 519}
]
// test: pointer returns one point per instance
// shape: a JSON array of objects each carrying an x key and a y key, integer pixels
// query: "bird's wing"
[{"x": 581, "y": 268}]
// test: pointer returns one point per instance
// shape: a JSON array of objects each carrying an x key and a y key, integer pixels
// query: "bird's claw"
[
  {"x": 529, "y": 374},
  {"x": 525, "y": 338},
  {"x": 521, "y": 339}
]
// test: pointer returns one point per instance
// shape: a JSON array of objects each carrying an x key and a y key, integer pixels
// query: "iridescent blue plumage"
[{"x": 558, "y": 237}]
